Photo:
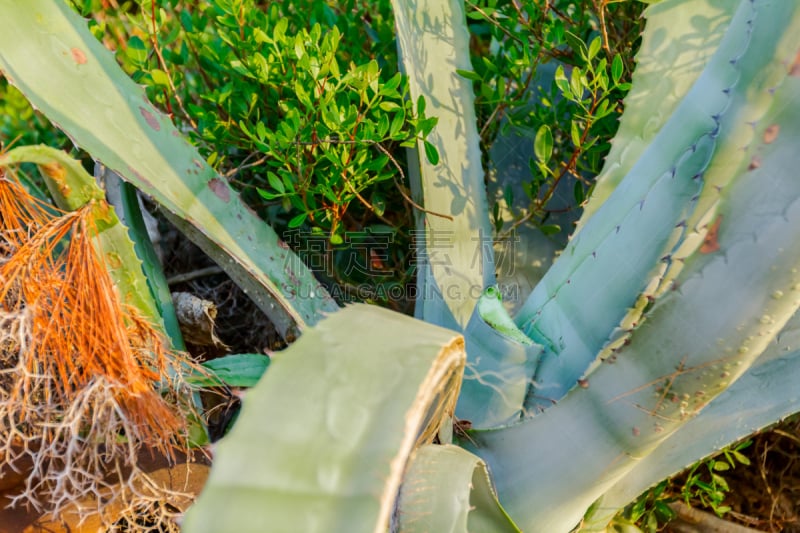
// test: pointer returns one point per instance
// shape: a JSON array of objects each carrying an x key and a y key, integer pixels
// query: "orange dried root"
[{"x": 80, "y": 372}]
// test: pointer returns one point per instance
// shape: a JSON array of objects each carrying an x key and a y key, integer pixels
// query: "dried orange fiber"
[{"x": 76, "y": 363}]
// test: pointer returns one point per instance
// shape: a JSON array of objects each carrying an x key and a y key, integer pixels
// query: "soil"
[{"x": 766, "y": 494}]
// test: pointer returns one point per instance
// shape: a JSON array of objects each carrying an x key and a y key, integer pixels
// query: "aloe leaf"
[
  {"x": 323, "y": 439},
  {"x": 728, "y": 303},
  {"x": 676, "y": 46},
  {"x": 47, "y": 51},
  {"x": 633, "y": 247},
  {"x": 72, "y": 188},
  {"x": 455, "y": 258},
  {"x": 447, "y": 489}
]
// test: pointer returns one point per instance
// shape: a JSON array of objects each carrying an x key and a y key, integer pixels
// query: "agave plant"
[{"x": 662, "y": 332}]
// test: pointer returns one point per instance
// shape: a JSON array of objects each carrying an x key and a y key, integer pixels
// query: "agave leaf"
[
  {"x": 729, "y": 301},
  {"x": 634, "y": 246},
  {"x": 448, "y": 490},
  {"x": 676, "y": 46},
  {"x": 455, "y": 254},
  {"x": 48, "y": 53},
  {"x": 323, "y": 439},
  {"x": 765, "y": 394},
  {"x": 500, "y": 360}
]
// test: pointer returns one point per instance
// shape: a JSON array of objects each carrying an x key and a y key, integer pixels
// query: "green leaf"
[
  {"x": 561, "y": 82},
  {"x": 434, "y": 44},
  {"x": 236, "y": 370},
  {"x": 575, "y": 133},
  {"x": 576, "y": 85},
  {"x": 594, "y": 47},
  {"x": 307, "y": 454},
  {"x": 275, "y": 182},
  {"x": 159, "y": 77},
  {"x": 448, "y": 489},
  {"x": 578, "y": 193},
  {"x": 576, "y": 43},
  {"x": 617, "y": 68},
  {"x": 298, "y": 220},
  {"x": 431, "y": 153},
  {"x": 543, "y": 144},
  {"x": 721, "y": 466},
  {"x": 550, "y": 229},
  {"x": 469, "y": 74}
]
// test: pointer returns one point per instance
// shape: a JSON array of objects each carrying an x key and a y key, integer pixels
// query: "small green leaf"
[
  {"x": 159, "y": 77},
  {"x": 579, "y": 193},
  {"x": 561, "y": 81},
  {"x": 575, "y": 133},
  {"x": 616, "y": 68},
  {"x": 388, "y": 106},
  {"x": 721, "y": 466},
  {"x": 275, "y": 182},
  {"x": 236, "y": 370},
  {"x": 378, "y": 203},
  {"x": 468, "y": 74},
  {"x": 267, "y": 195},
  {"x": 136, "y": 51},
  {"x": 740, "y": 457},
  {"x": 576, "y": 43},
  {"x": 543, "y": 144},
  {"x": 395, "y": 130},
  {"x": 431, "y": 153},
  {"x": 421, "y": 106},
  {"x": 299, "y": 49},
  {"x": 594, "y": 47},
  {"x": 576, "y": 84},
  {"x": 550, "y": 229},
  {"x": 298, "y": 220},
  {"x": 508, "y": 195}
]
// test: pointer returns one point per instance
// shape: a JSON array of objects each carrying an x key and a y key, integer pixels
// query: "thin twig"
[
  {"x": 163, "y": 64},
  {"x": 194, "y": 274}
]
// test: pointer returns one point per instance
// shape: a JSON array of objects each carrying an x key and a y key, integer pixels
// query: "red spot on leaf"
[
  {"x": 78, "y": 56},
  {"x": 710, "y": 243},
  {"x": 771, "y": 133},
  {"x": 150, "y": 118},
  {"x": 794, "y": 70},
  {"x": 220, "y": 188}
]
